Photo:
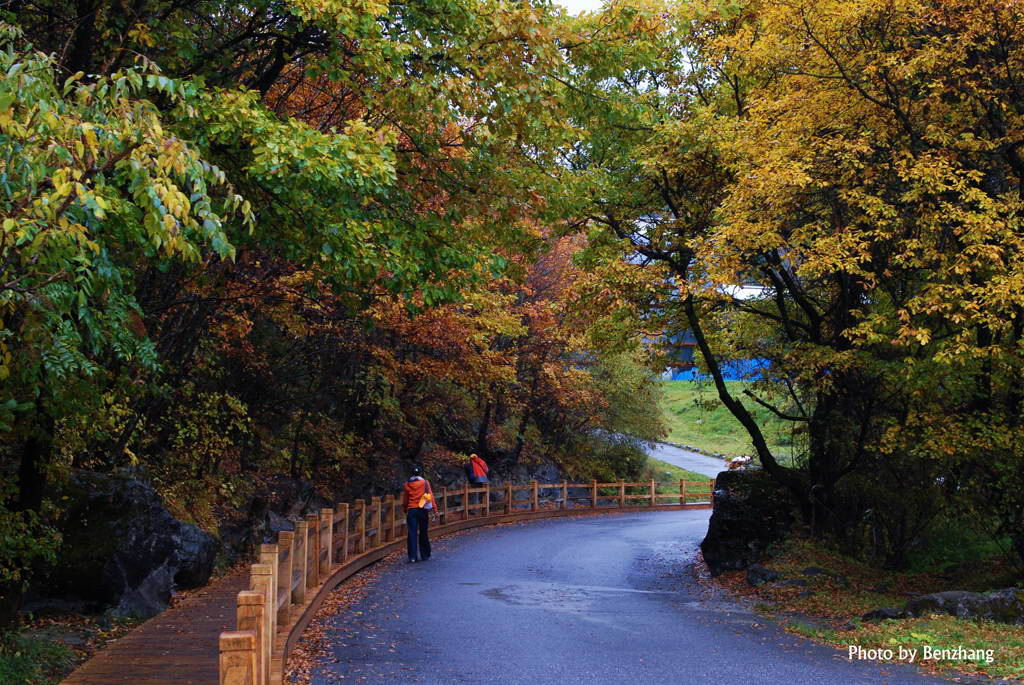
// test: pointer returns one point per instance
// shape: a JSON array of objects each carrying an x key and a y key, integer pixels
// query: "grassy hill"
[{"x": 696, "y": 418}]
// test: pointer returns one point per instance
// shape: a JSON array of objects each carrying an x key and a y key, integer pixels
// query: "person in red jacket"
[
  {"x": 418, "y": 505},
  {"x": 477, "y": 473},
  {"x": 478, "y": 470}
]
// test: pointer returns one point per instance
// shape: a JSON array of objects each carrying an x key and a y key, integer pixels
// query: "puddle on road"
[
  {"x": 589, "y": 602},
  {"x": 544, "y": 595}
]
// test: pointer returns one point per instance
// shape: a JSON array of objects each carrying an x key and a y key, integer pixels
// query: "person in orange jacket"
[{"x": 418, "y": 505}]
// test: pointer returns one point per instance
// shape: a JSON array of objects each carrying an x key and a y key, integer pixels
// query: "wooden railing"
[{"x": 292, "y": 577}]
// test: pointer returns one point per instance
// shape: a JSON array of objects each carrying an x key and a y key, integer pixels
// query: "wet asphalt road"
[
  {"x": 685, "y": 459},
  {"x": 604, "y": 599}
]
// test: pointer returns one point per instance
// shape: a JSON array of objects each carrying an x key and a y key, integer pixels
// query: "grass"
[
  {"x": 995, "y": 649},
  {"x": 32, "y": 660},
  {"x": 696, "y": 418},
  {"x": 827, "y": 608},
  {"x": 664, "y": 472}
]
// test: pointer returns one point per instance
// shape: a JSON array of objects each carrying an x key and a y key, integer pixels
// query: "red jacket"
[{"x": 479, "y": 467}]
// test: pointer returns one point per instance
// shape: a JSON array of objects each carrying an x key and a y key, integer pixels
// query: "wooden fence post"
[
  {"x": 535, "y": 499},
  {"x": 654, "y": 493},
  {"x": 341, "y": 517},
  {"x": 326, "y": 543},
  {"x": 593, "y": 494},
  {"x": 261, "y": 579},
  {"x": 444, "y": 506},
  {"x": 396, "y": 516},
  {"x": 299, "y": 563},
  {"x": 342, "y": 520},
  {"x": 389, "y": 518},
  {"x": 286, "y": 558},
  {"x": 237, "y": 658},
  {"x": 300, "y": 566},
  {"x": 565, "y": 495},
  {"x": 270, "y": 555},
  {"x": 622, "y": 493},
  {"x": 682, "y": 492},
  {"x": 313, "y": 551},
  {"x": 249, "y": 618},
  {"x": 509, "y": 494},
  {"x": 487, "y": 499},
  {"x": 465, "y": 501},
  {"x": 360, "y": 508},
  {"x": 375, "y": 540}
]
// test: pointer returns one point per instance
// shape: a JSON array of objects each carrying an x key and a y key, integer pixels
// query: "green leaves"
[{"x": 91, "y": 179}]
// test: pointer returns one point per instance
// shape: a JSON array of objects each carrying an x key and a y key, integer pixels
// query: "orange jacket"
[{"x": 414, "y": 490}]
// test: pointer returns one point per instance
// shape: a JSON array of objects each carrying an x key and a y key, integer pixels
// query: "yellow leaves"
[
  {"x": 141, "y": 34},
  {"x": 89, "y": 135},
  {"x": 5, "y": 361}
]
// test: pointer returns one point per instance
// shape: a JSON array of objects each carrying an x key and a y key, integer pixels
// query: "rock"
[
  {"x": 545, "y": 472},
  {"x": 276, "y": 524},
  {"x": 883, "y": 614},
  {"x": 793, "y": 582},
  {"x": 815, "y": 571},
  {"x": 759, "y": 575},
  {"x": 194, "y": 556},
  {"x": 804, "y": 594},
  {"x": 1003, "y": 606},
  {"x": 882, "y": 589},
  {"x": 751, "y": 512},
  {"x": 123, "y": 551}
]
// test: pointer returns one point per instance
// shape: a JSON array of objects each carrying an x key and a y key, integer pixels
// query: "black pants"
[{"x": 417, "y": 521}]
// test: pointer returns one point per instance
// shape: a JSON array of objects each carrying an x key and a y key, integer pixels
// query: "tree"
[{"x": 857, "y": 163}]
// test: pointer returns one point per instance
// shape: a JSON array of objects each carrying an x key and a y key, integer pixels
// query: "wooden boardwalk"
[{"x": 178, "y": 646}]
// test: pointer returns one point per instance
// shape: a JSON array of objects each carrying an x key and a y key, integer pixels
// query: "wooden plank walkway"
[{"x": 178, "y": 646}]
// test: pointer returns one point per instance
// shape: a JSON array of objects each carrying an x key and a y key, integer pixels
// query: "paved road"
[
  {"x": 685, "y": 459},
  {"x": 604, "y": 599}
]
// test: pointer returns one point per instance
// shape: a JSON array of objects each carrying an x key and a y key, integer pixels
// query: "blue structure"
[{"x": 744, "y": 370}]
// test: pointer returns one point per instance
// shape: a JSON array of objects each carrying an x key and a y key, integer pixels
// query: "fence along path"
[{"x": 270, "y": 605}]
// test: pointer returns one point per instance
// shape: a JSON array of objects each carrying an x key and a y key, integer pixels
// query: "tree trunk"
[{"x": 481, "y": 434}]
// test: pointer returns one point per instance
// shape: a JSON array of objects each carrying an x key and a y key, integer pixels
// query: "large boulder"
[
  {"x": 750, "y": 513},
  {"x": 1003, "y": 606},
  {"x": 122, "y": 551}
]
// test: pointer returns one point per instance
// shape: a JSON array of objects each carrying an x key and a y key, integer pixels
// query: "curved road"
[
  {"x": 603, "y": 599},
  {"x": 686, "y": 459}
]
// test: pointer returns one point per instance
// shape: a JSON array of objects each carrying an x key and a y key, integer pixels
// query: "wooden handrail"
[{"x": 325, "y": 548}]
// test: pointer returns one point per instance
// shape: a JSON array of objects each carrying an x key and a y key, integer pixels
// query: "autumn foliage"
[
  {"x": 325, "y": 240},
  {"x": 857, "y": 167}
]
